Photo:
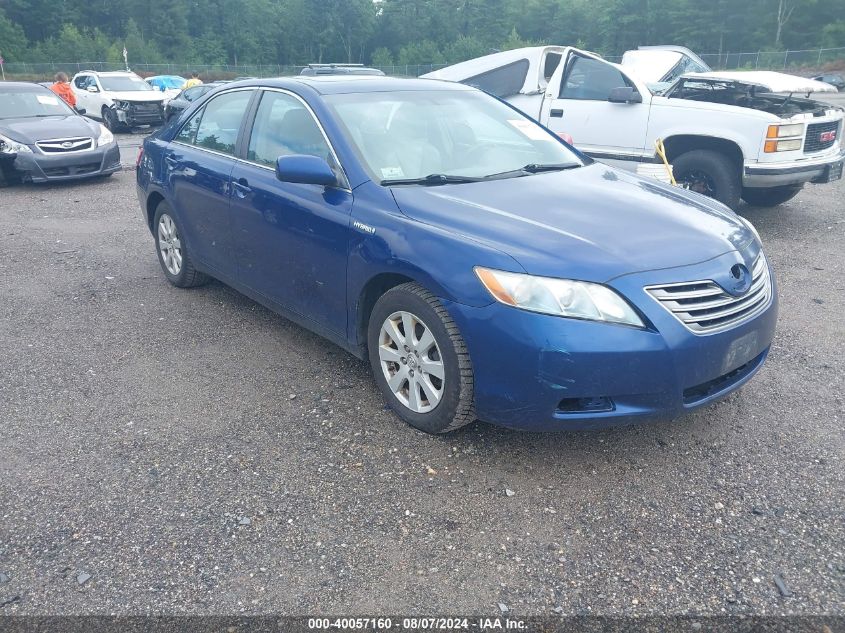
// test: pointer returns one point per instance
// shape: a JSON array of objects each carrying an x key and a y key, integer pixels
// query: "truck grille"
[
  {"x": 821, "y": 136},
  {"x": 65, "y": 145},
  {"x": 704, "y": 307}
]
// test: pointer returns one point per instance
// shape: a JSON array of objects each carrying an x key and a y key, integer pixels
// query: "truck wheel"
[
  {"x": 772, "y": 196},
  {"x": 709, "y": 173},
  {"x": 420, "y": 361}
]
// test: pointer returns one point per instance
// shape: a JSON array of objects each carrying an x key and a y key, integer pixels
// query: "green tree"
[{"x": 13, "y": 44}]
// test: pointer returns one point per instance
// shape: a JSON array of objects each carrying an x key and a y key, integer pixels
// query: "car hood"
[
  {"x": 32, "y": 129},
  {"x": 138, "y": 95},
  {"x": 769, "y": 81},
  {"x": 594, "y": 223}
]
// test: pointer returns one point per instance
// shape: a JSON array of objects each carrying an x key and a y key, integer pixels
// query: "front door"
[
  {"x": 199, "y": 165},
  {"x": 291, "y": 239},
  {"x": 581, "y": 108}
]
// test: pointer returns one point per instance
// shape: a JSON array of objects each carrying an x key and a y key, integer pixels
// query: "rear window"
[{"x": 502, "y": 82}]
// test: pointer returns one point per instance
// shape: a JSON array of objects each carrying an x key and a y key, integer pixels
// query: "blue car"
[{"x": 486, "y": 269}]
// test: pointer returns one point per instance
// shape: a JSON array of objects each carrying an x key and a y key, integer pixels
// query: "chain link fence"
[{"x": 814, "y": 59}]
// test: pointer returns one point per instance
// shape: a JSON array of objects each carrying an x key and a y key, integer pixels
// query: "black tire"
[
  {"x": 456, "y": 405},
  {"x": 187, "y": 276},
  {"x": 110, "y": 120},
  {"x": 710, "y": 173},
  {"x": 771, "y": 197}
]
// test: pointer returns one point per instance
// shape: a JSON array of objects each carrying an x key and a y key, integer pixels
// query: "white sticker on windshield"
[
  {"x": 389, "y": 173},
  {"x": 47, "y": 99},
  {"x": 531, "y": 130}
]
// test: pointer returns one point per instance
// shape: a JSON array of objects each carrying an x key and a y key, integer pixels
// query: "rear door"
[
  {"x": 198, "y": 165},
  {"x": 577, "y": 104},
  {"x": 292, "y": 239}
]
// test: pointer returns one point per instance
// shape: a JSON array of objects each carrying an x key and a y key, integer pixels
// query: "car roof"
[
  {"x": 21, "y": 86},
  {"x": 342, "y": 84},
  {"x": 115, "y": 73}
]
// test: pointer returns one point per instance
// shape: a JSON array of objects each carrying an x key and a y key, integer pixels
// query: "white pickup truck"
[{"x": 749, "y": 135}]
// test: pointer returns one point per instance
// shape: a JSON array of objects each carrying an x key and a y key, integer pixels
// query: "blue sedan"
[{"x": 486, "y": 269}]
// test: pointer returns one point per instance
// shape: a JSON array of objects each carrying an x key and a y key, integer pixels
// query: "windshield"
[
  {"x": 462, "y": 133},
  {"x": 17, "y": 105},
  {"x": 124, "y": 84}
]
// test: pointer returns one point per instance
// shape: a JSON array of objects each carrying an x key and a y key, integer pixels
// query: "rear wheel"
[
  {"x": 172, "y": 252},
  {"x": 419, "y": 360},
  {"x": 710, "y": 173},
  {"x": 772, "y": 196}
]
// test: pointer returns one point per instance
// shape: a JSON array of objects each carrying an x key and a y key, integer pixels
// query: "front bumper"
[
  {"x": 140, "y": 115},
  {"x": 38, "y": 167},
  {"x": 546, "y": 373},
  {"x": 759, "y": 175}
]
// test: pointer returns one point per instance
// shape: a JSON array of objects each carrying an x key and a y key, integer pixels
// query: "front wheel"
[
  {"x": 419, "y": 360},
  {"x": 771, "y": 197},
  {"x": 110, "y": 120},
  {"x": 710, "y": 173}
]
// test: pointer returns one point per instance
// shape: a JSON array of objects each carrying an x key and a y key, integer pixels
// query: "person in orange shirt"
[{"x": 63, "y": 89}]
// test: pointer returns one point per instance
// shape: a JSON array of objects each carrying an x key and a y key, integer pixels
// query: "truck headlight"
[
  {"x": 558, "y": 297},
  {"x": 793, "y": 135},
  {"x": 8, "y": 146},
  {"x": 105, "y": 137}
]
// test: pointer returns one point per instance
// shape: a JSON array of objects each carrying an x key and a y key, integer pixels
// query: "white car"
[
  {"x": 728, "y": 135},
  {"x": 118, "y": 99}
]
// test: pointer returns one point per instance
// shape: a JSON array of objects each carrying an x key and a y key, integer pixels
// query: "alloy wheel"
[
  {"x": 169, "y": 244},
  {"x": 411, "y": 361}
]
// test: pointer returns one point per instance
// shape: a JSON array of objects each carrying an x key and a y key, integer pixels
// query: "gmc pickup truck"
[{"x": 741, "y": 135}]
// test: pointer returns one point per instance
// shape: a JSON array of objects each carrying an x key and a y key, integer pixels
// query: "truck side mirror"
[{"x": 625, "y": 94}]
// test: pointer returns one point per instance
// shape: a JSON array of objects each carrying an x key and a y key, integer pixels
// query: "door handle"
[
  {"x": 557, "y": 113},
  {"x": 241, "y": 188}
]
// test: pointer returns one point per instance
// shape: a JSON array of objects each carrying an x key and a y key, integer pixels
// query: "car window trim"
[
  {"x": 201, "y": 111},
  {"x": 248, "y": 137}
]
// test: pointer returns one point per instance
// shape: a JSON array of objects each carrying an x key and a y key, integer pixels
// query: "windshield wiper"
[
  {"x": 431, "y": 179},
  {"x": 533, "y": 168}
]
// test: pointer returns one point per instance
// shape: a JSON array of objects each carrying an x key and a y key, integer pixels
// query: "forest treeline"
[{"x": 386, "y": 32}]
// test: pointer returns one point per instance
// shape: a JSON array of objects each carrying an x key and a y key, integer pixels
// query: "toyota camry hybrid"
[{"x": 485, "y": 268}]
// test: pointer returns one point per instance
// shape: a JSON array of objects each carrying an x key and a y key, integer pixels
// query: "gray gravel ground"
[{"x": 171, "y": 451}]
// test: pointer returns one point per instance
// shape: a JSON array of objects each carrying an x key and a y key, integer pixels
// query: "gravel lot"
[{"x": 170, "y": 451}]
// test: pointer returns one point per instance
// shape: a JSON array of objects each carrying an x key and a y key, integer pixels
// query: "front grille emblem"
[{"x": 741, "y": 278}]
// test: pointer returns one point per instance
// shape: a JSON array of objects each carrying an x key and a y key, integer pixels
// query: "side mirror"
[
  {"x": 93, "y": 89},
  {"x": 81, "y": 110},
  {"x": 306, "y": 170},
  {"x": 625, "y": 94}
]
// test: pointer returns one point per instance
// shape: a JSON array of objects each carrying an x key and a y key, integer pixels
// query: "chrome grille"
[
  {"x": 704, "y": 307},
  {"x": 65, "y": 145},
  {"x": 813, "y": 141}
]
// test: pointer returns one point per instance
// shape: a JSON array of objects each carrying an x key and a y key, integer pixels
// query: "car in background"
[
  {"x": 43, "y": 139},
  {"x": 119, "y": 99},
  {"x": 340, "y": 69},
  {"x": 177, "y": 104},
  {"x": 485, "y": 268},
  {"x": 837, "y": 81},
  {"x": 170, "y": 85}
]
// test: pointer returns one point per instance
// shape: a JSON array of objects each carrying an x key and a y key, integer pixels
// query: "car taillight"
[{"x": 140, "y": 157}]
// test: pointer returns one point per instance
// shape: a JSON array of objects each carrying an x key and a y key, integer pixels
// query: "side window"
[
  {"x": 82, "y": 82},
  {"x": 216, "y": 126},
  {"x": 188, "y": 133},
  {"x": 283, "y": 126},
  {"x": 502, "y": 82},
  {"x": 591, "y": 79}
]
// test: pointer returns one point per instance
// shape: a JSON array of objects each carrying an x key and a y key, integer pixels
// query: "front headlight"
[
  {"x": 121, "y": 105},
  {"x": 105, "y": 137},
  {"x": 8, "y": 146},
  {"x": 751, "y": 227},
  {"x": 559, "y": 297}
]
